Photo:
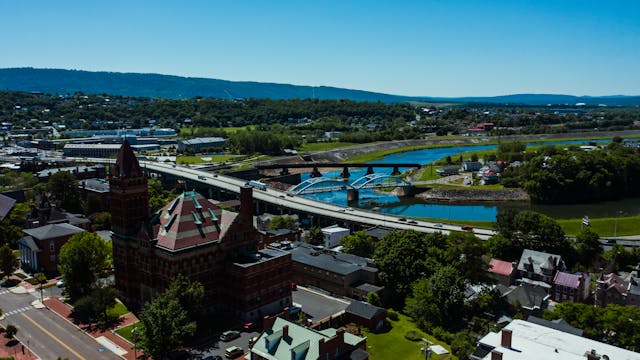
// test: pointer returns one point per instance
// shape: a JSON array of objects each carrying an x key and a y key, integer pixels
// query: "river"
[{"x": 414, "y": 207}]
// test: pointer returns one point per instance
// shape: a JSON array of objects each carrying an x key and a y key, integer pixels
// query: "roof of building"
[
  {"x": 203, "y": 140},
  {"x": 366, "y": 287},
  {"x": 273, "y": 345},
  {"x": 568, "y": 280},
  {"x": 278, "y": 232},
  {"x": 95, "y": 185},
  {"x": 329, "y": 260},
  {"x": 529, "y": 297},
  {"x": 52, "y": 231},
  {"x": 260, "y": 256},
  {"x": 27, "y": 241},
  {"x": 72, "y": 169},
  {"x": 334, "y": 229},
  {"x": 127, "y": 164},
  {"x": 500, "y": 267},
  {"x": 558, "y": 324},
  {"x": 6, "y": 204},
  {"x": 191, "y": 220},
  {"x": 533, "y": 341},
  {"x": 17, "y": 195},
  {"x": 364, "y": 310},
  {"x": 535, "y": 261},
  {"x": 377, "y": 232},
  {"x": 92, "y": 146}
]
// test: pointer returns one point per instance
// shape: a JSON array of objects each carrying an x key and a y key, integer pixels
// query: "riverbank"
[{"x": 441, "y": 195}]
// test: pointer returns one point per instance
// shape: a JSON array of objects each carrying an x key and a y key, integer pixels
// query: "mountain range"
[{"x": 60, "y": 81}]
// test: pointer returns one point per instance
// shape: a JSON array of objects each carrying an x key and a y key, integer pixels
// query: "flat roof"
[{"x": 329, "y": 260}]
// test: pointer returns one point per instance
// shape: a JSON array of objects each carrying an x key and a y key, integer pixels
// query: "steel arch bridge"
[
  {"x": 319, "y": 184},
  {"x": 371, "y": 181},
  {"x": 375, "y": 181}
]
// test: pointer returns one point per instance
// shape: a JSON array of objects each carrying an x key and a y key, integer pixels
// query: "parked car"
[
  {"x": 413, "y": 222},
  {"x": 229, "y": 335},
  {"x": 466, "y": 227},
  {"x": 233, "y": 352},
  {"x": 402, "y": 219},
  {"x": 439, "y": 225},
  {"x": 252, "y": 341}
]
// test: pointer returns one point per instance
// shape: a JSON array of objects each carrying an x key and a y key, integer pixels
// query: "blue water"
[{"x": 412, "y": 207}]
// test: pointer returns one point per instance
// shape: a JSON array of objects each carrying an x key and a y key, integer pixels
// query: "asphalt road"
[
  {"x": 45, "y": 333},
  {"x": 217, "y": 347}
]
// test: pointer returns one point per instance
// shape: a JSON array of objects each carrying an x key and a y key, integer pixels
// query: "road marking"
[
  {"x": 53, "y": 337},
  {"x": 17, "y": 311}
]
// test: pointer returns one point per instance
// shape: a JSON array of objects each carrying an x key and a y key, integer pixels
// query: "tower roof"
[{"x": 127, "y": 164}]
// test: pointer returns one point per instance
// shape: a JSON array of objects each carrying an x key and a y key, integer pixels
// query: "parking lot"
[{"x": 217, "y": 347}]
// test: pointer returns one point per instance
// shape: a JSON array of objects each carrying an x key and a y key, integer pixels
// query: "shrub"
[
  {"x": 413, "y": 335},
  {"x": 392, "y": 315}
]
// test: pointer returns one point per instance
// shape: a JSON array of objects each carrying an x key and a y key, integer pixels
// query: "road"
[
  {"x": 44, "y": 332},
  {"x": 300, "y": 203}
]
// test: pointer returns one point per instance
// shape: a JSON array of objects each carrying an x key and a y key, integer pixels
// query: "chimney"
[
  {"x": 496, "y": 355},
  {"x": 246, "y": 203},
  {"x": 592, "y": 355},
  {"x": 506, "y": 339},
  {"x": 285, "y": 331}
]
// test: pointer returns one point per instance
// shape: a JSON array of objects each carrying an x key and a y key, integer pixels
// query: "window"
[{"x": 52, "y": 246}]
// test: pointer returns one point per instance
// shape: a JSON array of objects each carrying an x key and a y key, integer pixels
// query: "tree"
[
  {"x": 8, "y": 260},
  {"x": 12, "y": 225},
  {"x": 283, "y": 222},
  {"x": 82, "y": 259},
  {"x": 165, "y": 326},
  {"x": 374, "y": 299},
  {"x": 438, "y": 300},
  {"x": 587, "y": 246},
  {"x": 63, "y": 188},
  {"x": 315, "y": 236},
  {"x": 158, "y": 196},
  {"x": 465, "y": 254},
  {"x": 532, "y": 230},
  {"x": 102, "y": 221},
  {"x": 189, "y": 294},
  {"x": 10, "y": 331},
  {"x": 97, "y": 303},
  {"x": 359, "y": 243}
]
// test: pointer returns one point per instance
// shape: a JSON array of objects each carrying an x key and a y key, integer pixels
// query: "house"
[
  {"x": 471, "y": 166},
  {"x": 377, "y": 232},
  {"x": 338, "y": 273},
  {"x": 570, "y": 287},
  {"x": 285, "y": 340},
  {"x": 557, "y": 324},
  {"x": 448, "y": 170},
  {"x": 616, "y": 289},
  {"x": 539, "y": 266},
  {"x": 196, "y": 238},
  {"x": 45, "y": 213},
  {"x": 333, "y": 234},
  {"x": 365, "y": 314},
  {"x": 523, "y": 340},
  {"x": 40, "y": 247},
  {"x": 501, "y": 271},
  {"x": 96, "y": 189},
  {"x": 531, "y": 298}
]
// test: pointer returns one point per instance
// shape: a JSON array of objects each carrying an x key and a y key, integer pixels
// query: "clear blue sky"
[{"x": 422, "y": 47}]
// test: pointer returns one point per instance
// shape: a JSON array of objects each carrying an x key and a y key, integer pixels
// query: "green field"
[
  {"x": 393, "y": 344},
  {"x": 324, "y": 146},
  {"x": 117, "y": 310},
  {"x": 125, "y": 332},
  {"x": 604, "y": 226},
  {"x": 214, "y": 159}
]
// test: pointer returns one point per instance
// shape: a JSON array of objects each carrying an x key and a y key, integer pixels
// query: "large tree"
[
  {"x": 8, "y": 260},
  {"x": 12, "y": 225},
  {"x": 588, "y": 247},
  {"x": 63, "y": 187},
  {"x": 82, "y": 259},
  {"x": 97, "y": 303},
  {"x": 283, "y": 222},
  {"x": 165, "y": 326},
  {"x": 189, "y": 294},
  {"x": 532, "y": 230},
  {"x": 359, "y": 243}
]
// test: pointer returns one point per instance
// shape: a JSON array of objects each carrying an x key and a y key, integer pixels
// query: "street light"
[
  {"x": 615, "y": 225},
  {"x": 42, "y": 278}
]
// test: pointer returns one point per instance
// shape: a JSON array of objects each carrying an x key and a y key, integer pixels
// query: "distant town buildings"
[{"x": 199, "y": 144}]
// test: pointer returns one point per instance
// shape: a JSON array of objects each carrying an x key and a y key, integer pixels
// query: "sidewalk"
[
  {"x": 15, "y": 351},
  {"x": 105, "y": 337}
]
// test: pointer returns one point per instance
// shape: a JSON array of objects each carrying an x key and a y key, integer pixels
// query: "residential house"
[
  {"x": 286, "y": 340},
  {"x": 40, "y": 247},
  {"x": 333, "y": 234},
  {"x": 617, "y": 289},
  {"x": 471, "y": 166},
  {"x": 523, "y": 340},
  {"x": 570, "y": 287},
  {"x": 503, "y": 272},
  {"x": 448, "y": 170},
  {"x": 531, "y": 298},
  {"x": 539, "y": 266}
]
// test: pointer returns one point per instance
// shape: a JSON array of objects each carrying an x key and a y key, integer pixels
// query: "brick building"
[
  {"x": 196, "y": 238},
  {"x": 40, "y": 247}
]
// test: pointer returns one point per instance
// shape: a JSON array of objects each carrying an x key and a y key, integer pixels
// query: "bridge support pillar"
[
  {"x": 345, "y": 173},
  {"x": 406, "y": 191},
  {"x": 284, "y": 171},
  {"x": 396, "y": 171},
  {"x": 352, "y": 196},
  {"x": 315, "y": 173},
  {"x": 370, "y": 170}
]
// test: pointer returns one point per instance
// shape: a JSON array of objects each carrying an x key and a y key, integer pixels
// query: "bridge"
[
  {"x": 370, "y": 181},
  {"x": 345, "y": 167},
  {"x": 299, "y": 204}
]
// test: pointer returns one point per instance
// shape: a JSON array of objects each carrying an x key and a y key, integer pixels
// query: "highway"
[{"x": 300, "y": 203}]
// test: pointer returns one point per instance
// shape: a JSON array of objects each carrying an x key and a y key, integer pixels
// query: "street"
[{"x": 47, "y": 334}]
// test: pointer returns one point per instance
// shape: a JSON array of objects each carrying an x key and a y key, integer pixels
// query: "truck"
[{"x": 257, "y": 184}]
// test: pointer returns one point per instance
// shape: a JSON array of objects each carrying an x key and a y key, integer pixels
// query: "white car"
[{"x": 60, "y": 283}]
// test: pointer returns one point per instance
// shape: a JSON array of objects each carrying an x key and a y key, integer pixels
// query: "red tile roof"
[
  {"x": 500, "y": 267},
  {"x": 191, "y": 220}
]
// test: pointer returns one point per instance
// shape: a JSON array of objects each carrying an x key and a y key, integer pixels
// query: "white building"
[
  {"x": 333, "y": 234},
  {"x": 523, "y": 340}
]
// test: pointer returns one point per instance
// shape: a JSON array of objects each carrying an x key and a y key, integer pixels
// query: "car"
[
  {"x": 281, "y": 196},
  {"x": 229, "y": 335},
  {"x": 60, "y": 283},
  {"x": 439, "y": 225},
  {"x": 402, "y": 219},
  {"x": 249, "y": 326},
  {"x": 611, "y": 241},
  {"x": 466, "y": 227},
  {"x": 253, "y": 341},
  {"x": 412, "y": 222},
  {"x": 233, "y": 352},
  {"x": 349, "y": 209}
]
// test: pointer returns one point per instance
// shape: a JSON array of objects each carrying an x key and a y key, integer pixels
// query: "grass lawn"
[
  {"x": 604, "y": 226},
  {"x": 430, "y": 173},
  {"x": 125, "y": 332},
  {"x": 324, "y": 146},
  {"x": 117, "y": 310},
  {"x": 214, "y": 159},
  {"x": 393, "y": 345}
]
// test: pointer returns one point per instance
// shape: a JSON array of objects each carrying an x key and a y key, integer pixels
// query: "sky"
[{"x": 437, "y": 48}]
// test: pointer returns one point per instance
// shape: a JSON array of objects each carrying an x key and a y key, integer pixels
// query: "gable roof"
[
  {"x": 530, "y": 297},
  {"x": 364, "y": 310},
  {"x": 500, "y": 267},
  {"x": 52, "y": 231},
  {"x": 6, "y": 204},
  {"x": 191, "y": 220},
  {"x": 535, "y": 261},
  {"x": 568, "y": 280},
  {"x": 558, "y": 324}
]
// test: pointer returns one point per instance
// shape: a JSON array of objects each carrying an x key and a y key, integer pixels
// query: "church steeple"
[{"x": 127, "y": 164}]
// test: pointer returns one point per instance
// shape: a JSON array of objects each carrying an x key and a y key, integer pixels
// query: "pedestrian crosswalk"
[
  {"x": 4, "y": 292},
  {"x": 17, "y": 311}
]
